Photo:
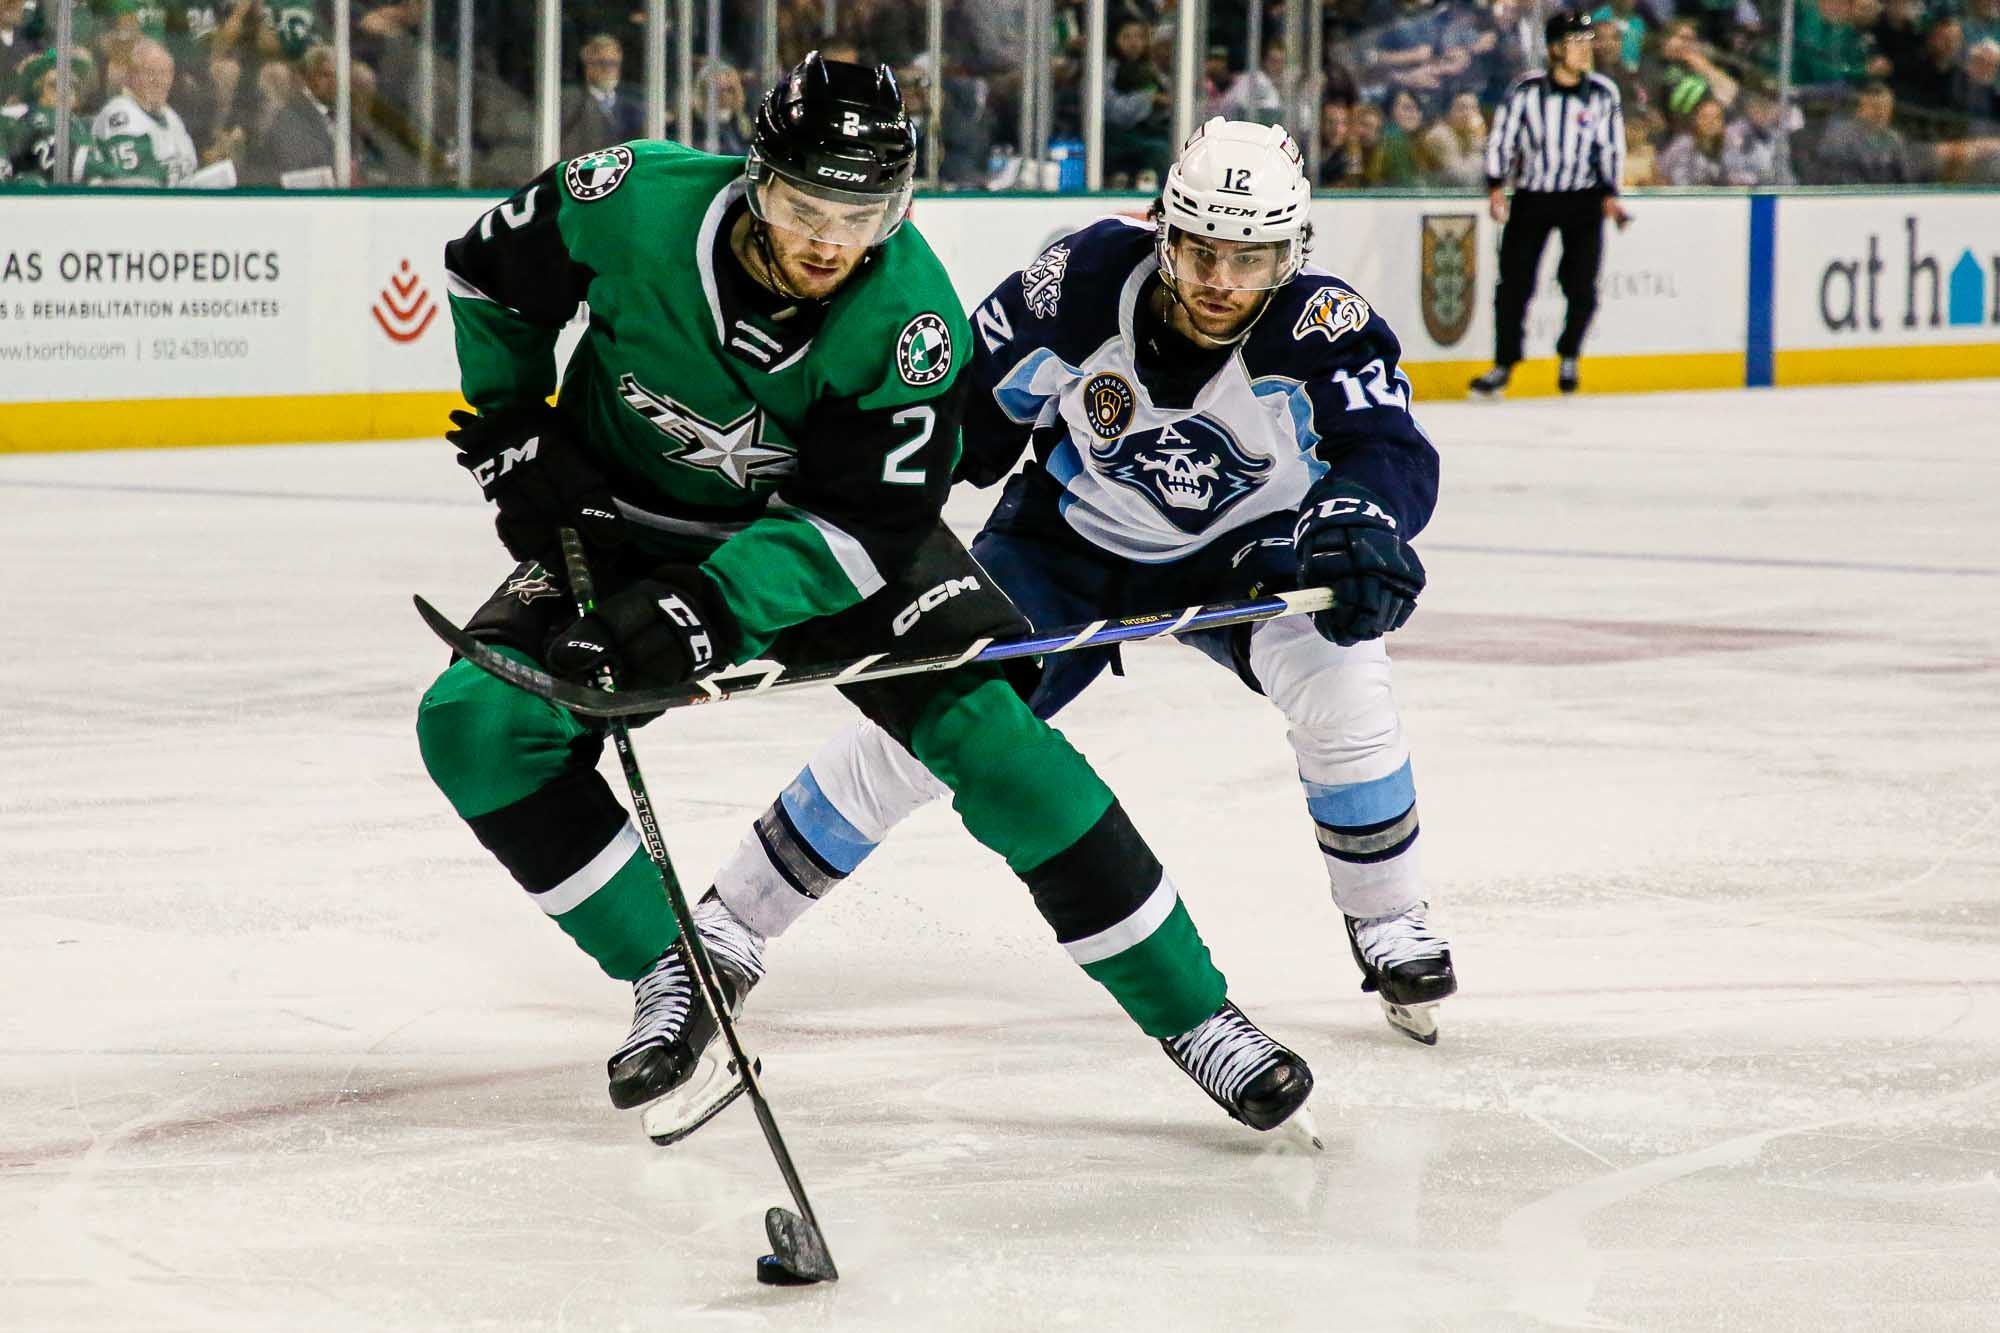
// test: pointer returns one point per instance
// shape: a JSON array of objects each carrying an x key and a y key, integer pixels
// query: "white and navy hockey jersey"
[{"x": 1159, "y": 455}]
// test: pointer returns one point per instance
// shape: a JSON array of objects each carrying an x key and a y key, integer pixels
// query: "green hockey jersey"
[
  {"x": 28, "y": 149},
  {"x": 138, "y": 148},
  {"x": 805, "y": 448}
]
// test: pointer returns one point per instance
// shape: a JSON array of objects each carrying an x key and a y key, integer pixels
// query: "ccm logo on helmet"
[
  {"x": 931, "y": 600},
  {"x": 836, "y": 173},
  {"x": 1231, "y": 211}
]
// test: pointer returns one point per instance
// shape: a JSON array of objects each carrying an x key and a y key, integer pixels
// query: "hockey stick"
[
  {"x": 799, "y": 1248},
  {"x": 773, "y": 678}
]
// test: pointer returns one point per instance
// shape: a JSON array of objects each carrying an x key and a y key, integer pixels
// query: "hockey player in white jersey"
[{"x": 1210, "y": 418}]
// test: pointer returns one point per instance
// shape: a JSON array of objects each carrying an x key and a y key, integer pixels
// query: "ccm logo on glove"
[{"x": 492, "y": 469}]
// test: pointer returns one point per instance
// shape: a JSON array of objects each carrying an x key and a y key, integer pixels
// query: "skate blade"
[
  {"x": 1417, "y": 1022},
  {"x": 1301, "y": 1130},
  {"x": 713, "y": 1085}
]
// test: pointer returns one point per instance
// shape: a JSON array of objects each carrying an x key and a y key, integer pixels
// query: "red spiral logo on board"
[{"x": 404, "y": 309}]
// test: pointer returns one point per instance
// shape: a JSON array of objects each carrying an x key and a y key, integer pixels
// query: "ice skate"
[
  {"x": 1407, "y": 965},
  {"x": 1493, "y": 383},
  {"x": 1249, "y": 1075},
  {"x": 1566, "y": 376},
  {"x": 665, "y": 1059}
]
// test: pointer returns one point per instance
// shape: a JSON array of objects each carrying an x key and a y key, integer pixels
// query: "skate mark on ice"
[{"x": 1554, "y": 1270}]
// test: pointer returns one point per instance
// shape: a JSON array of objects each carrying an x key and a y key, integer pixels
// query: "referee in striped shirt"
[{"x": 1559, "y": 138}]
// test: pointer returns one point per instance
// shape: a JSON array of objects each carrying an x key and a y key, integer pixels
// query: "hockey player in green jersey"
[{"x": 756, "y": 436}]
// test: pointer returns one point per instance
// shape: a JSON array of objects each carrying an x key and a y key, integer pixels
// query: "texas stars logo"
[
  {"x": 1193, "y": 470},
  {"x": 731, "y": 452},
  {"x": 923, "y": 351},
  {"x": 595, "y": 175}
]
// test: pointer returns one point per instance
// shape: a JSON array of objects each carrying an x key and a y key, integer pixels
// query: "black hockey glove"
[
  {"x": 1346, "y": 540},
  {"x": 527, "y": 462},
  {"x": 657, "y": 632}
]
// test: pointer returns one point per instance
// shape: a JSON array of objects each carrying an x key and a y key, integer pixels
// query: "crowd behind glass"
[{"x": 1882, "y": 91}]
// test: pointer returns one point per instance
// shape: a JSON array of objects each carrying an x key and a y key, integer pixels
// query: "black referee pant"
[{"x": 1579, "y": 216}]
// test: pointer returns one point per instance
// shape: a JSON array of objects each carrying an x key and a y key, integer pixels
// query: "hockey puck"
[{"x": 772, "y": 1272}]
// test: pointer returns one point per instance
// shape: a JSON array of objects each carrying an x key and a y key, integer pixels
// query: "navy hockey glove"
[
  {"x": 657, "y": 632},
  {"x": 527, "y": 462},
  {"x": 1346, "y": 540}
]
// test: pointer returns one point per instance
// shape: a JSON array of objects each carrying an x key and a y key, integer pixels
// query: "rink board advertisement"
[
  {"x": 204, "y": 319},
  {"x": 1887, "y": 287}
]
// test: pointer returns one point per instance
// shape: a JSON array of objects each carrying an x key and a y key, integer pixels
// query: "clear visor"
[
  {"x": 1230, "y": 266},
  {"x": 824, "y": 214}
]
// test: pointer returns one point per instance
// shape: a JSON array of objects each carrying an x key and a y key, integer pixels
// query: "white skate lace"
[
  {"x": 729, "y": 942},
  {"x": 1225, "y": 1053},
  {"x": 661, "y": 1000},
  {"x": 1387, "y": 941}
]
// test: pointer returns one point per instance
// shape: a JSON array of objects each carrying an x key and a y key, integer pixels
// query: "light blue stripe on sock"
[
  {"x": 838, "y": 842},
  {"x": 1359, "y": 804}
]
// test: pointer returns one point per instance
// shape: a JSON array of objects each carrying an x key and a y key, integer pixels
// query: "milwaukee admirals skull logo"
[
  {"x": 1192, "y": 470},
  {"x": 595, "y": 175},
  {"x": 923, "y": 350},
  {"x": 1109, "y": 401},
  {"x": 732, "y": 452},
  {"x": 1331, "y": 312}
]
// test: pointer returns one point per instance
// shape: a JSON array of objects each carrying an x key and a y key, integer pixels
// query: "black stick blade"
[{"x": 799, "y": 1254}]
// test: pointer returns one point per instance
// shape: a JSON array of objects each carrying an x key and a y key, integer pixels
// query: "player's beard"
[{"x": 805, "y": 270}]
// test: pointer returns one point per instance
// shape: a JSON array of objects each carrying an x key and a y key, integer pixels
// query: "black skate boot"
[
  {"x": 1566, "y": 377},
  {"x": 1492, "y": 383},
  {"x": 1407, "y": 965},
  {"x": 672, "y": 1026},
  {"x": 1250, "y": 1076}
]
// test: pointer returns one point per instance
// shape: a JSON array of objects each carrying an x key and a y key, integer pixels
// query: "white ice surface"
[{"x": 1705, "y": 700}]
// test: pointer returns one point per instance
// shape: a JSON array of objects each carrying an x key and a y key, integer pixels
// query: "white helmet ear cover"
[{"x": 1239, "y": 181}]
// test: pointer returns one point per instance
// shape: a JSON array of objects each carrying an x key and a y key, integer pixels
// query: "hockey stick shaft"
[
  {"x": 773, "y": 678},
  {"x": 582, "y": 589}
]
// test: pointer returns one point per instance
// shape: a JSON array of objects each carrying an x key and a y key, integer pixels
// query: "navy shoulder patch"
[
  {"x": 1041, "y": 281},
  {"x": 595, "y": 175},
  {"x": 923, "y": 350}
]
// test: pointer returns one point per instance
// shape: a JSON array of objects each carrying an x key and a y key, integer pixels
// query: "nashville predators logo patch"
[
  {"x": 1332, "y": 312},
  {"x": 1109, "y": 401}
]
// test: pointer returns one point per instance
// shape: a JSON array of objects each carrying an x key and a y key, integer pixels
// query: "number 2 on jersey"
[{"x": 893, "y": 470}]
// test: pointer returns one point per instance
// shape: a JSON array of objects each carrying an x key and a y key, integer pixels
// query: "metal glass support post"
[
  {"x": 65, "y": 88},
  {"x": 426, "y": 90},
  {"x": 1094, "y": 56},
  {"x": 1188, "y": 30},
  {"x": 934, "y": 98},
  {"x": 711, "y": 93},
  {"x": 1315, "y": 85},
  {"x": 464, "y": 108},
  {"x": 1295, "y": 22},
  {"x": 1786, "y": 28},
  {"x": 767, "y": 55},
  {"x": 684, "y": 72},
  {"x": 548, "y": 81},
  {"x": 1030, "y": 174},
  {"x": 656, "y": 68},
  {"x": 343, "y": 94}
]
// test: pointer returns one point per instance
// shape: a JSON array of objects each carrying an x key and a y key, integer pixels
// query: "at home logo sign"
[{"x": 1915, "y": 289}]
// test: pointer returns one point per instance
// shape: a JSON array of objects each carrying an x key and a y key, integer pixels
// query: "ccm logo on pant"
[{"x": 931, "y": 600}]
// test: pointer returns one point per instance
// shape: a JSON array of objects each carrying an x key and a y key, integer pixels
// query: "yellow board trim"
[
  {"x": 1863, "y": 365},
  {"x": 1536, "y": 378},
  {"x": 165, "y": 423}
]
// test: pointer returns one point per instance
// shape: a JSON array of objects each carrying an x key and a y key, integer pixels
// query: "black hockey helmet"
[
  {"x": 1565, "y": 23},
  {"x": 836, "y": 135}
]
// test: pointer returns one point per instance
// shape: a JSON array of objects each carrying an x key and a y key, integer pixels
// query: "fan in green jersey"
[
  {"x": 756, "y": 435},
  {"x": 28, "y": 143}
]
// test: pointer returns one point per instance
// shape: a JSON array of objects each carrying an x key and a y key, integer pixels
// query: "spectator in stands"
[
  {"x": 602, "y": 110},
  {"x": 1863, "y": 148},
  {"x": 1686, "y": 72},
  {"x": 1695, "y": 155},
  {"x": 1138, "y": 109},
  {"x": 1453, "y": 151},
  {"x": 1624, "y": 18},
  {"x": 1406, "y": 46},
  {"x": 1608, "y": 46},
  {"x": 1340, "y": 166},
  {"x": 1979, "y": 85},
  {"x": 296, "y": 148},
  {"x": 15, "y": 48},
  {"x": 141, "y": 140},
  {"x": 1642, "y": 164},
  {"x": 28, "y": 142},
  {"x": 732, "y": 123},
  {"x": 1257, "y": 94},
  {"x": 1394, "y": 164},
  {"x": 1933, "y": 82},
  {"x": 1364, "y": 142},
  {"x": 1751, "y": 149},
  {"x": 1831, "y": 47},
  {"x": 1898, "y": 33},
  {"x": 1982, "y": 22}
]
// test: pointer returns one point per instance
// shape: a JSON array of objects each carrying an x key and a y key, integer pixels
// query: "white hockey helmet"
[{"x": 1244, "y": 183}]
